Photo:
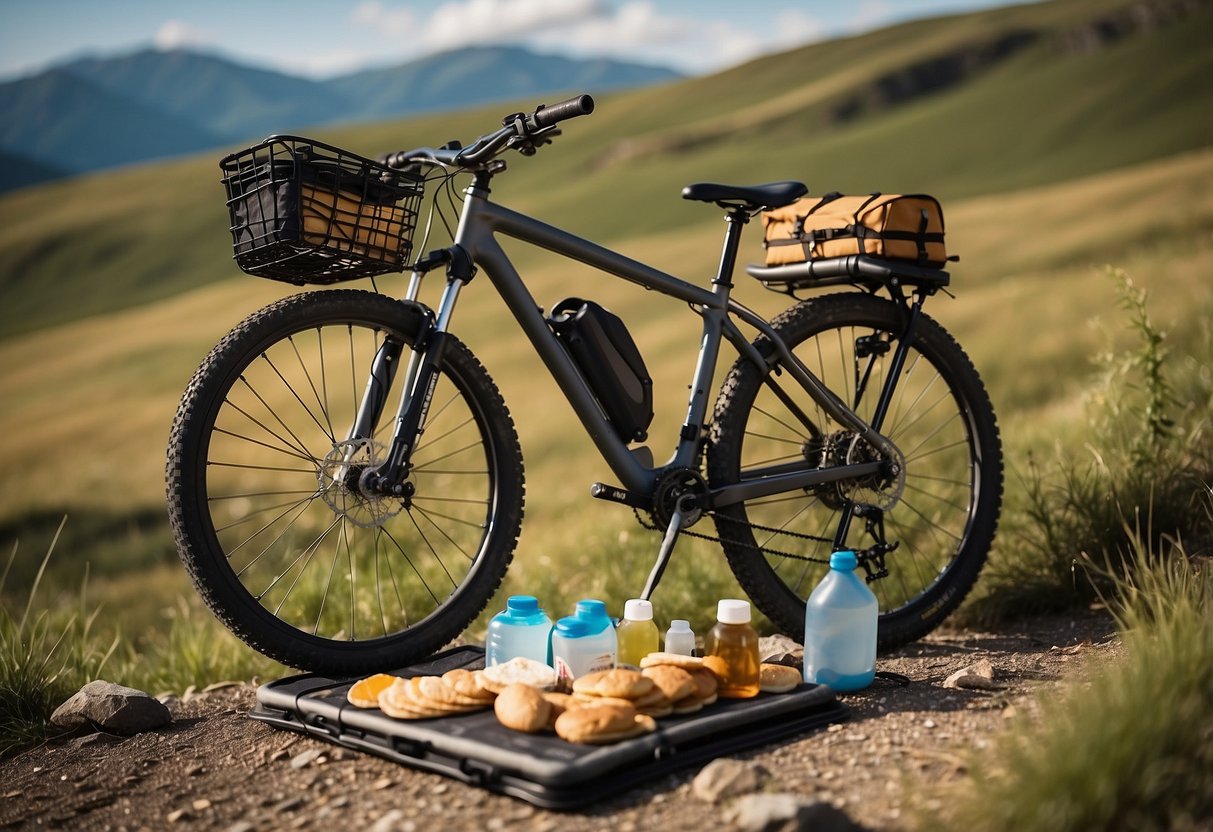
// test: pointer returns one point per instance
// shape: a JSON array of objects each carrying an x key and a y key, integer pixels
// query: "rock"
[
  {"x": 390, "y": 822},
  {"x": 304, "y": 758},
  {"x": 725, "y": 778},
  {"x": 113, "y": 708},
  {"x": 979, "y": 676},
  {"x": 781, "y": 649},
  {"x": 772, "y": 812}
]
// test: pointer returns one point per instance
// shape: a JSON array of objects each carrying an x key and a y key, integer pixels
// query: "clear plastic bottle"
[
  {"x": 679, "y": 638},
  {"x": 579, "y": 648},
  {"x": 638, "y": 635},
  {"x": 735, "y": 641},
  {"x": 521, "y": 629},
  {"x": 840, "y": 621}
]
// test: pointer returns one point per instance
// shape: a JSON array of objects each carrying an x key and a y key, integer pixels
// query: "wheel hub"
[
  {"x": 339, "y": 478},
  {"x": 845, "y": 447}
]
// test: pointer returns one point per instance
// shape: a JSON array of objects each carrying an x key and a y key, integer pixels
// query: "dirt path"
[{"x": 215, "y": 769}]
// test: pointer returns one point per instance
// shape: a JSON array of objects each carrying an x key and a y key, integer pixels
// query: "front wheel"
[
  {"x": 942, "y": 517},
  {"x": 269, "y": 511}
]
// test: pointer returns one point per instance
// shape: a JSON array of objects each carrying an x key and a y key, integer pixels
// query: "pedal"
[{"x": 615, "y": 494}]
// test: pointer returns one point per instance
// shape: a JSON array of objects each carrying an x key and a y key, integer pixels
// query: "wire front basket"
[{"x": 306, "y": 212}]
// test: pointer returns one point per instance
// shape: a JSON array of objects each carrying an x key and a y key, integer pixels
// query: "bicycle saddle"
[{"x": 753, "y": 197}]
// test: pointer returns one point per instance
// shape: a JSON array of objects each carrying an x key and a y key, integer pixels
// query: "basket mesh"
[{"x": 305, "y": 212}]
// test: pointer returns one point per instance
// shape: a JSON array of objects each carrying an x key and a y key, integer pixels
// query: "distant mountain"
[
  {"x": 100, "y": 112},
  {"x": 481, "y": 75},
  {"x": 227, "y": 99},
  {"x": 19, "y": 172},
  {"x": 64, "y": 121}
]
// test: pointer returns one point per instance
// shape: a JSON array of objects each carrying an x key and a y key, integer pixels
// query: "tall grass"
[
  {"x": 1130, "y": 747},
  {"x": 44, "y": 657},
  {"x": 1147, "y": 450},
  {"x": 55, "y": 646}
]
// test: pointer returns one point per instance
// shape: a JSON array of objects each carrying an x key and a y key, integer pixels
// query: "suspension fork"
[
  {"x": 417, "y": 391},
  {"x": 911, "y": 312}
]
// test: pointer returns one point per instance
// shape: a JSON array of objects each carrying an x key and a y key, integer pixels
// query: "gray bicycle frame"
[{"x": 481, "y": 220}]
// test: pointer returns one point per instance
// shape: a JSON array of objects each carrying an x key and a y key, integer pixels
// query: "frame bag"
[
  {"x": 892, "y": 226},
  {"x": 603, "y": 350}
]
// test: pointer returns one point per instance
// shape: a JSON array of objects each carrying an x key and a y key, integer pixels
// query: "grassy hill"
[
  {"x": 959, "y": 106},
  {"x": 1056, "y": 150}
]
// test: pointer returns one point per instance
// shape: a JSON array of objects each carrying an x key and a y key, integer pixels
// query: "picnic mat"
[{"x": 541, "y": 769}]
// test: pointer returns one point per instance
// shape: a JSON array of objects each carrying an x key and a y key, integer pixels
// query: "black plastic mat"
[{"x": 539, "y": 768}]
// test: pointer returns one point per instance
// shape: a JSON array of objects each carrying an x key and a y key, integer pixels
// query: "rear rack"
[{"x": 853, "y": 269}]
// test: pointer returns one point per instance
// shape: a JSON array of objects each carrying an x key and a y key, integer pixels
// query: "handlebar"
[{"x": 520, "y": 130}]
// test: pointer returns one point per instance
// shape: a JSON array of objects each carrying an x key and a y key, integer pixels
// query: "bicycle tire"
[
  {"x": 277, "y": 395},
  {"x": 948, "y": 510}
]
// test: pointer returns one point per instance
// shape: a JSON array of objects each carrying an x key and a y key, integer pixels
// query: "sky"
[{"x": 323, "y": 39}]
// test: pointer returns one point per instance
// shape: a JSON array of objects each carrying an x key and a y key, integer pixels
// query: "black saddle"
[{"x": 750, "y": 197}]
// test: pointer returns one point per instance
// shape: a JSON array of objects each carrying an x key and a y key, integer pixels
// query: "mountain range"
[{"x": 99, "y": 112}]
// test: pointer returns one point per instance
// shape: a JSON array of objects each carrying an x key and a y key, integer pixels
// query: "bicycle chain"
[{"x": 766, "y": 550}]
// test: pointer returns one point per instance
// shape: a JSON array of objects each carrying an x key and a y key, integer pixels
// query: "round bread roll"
[
  {"x": 618, "y": 682},
  {"x": 674, "y": 682},
  {"x": 589, "y": 721},
  {"x": 705, "y": 683},
  {"x": 522, "y": 708},
  {"x": 644, "y": 724},
  {"x": 518, "y": 669},
  {"x": 559, "y": 702},
  {"x": 688, "y": 705},
  {"x": 673, "y": 659},
  {"x": 777, "y": 678}
]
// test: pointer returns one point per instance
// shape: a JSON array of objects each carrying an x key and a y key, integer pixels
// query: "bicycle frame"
[{"x": 475, "y": 243}]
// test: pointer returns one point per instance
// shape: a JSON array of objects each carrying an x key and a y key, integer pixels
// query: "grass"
[
  {"x": 1128, "y": 747},
  {"x": 1147, "y": 448}
]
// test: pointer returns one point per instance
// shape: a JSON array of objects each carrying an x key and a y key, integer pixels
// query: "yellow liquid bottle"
[
  {"x": 735, "y": 641},
  {"x": 637, "y": 633}
]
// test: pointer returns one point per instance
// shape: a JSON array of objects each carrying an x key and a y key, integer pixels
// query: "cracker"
[
  {"x": 619, "y": 682},
  {"x": 672, "y": 659}
]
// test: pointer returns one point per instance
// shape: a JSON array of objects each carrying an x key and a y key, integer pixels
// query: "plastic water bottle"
[
  {"x": 602, "y": 631},
  {"x": 735, "y": 641},
  {"x": 679, "y": 638},
  {"x": 577, "y": 649},
  {"x": 840, "y": 628},
  {"x": 637, "y": 633},
  {"x": 521, "y": 629}
]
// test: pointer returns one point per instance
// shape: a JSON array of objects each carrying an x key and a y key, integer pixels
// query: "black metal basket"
[{"x": 306, "y": 212}]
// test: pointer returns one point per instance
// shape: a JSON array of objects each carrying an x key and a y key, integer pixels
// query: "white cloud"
[
  {"x": 175, "y": 34},
  {"x": 384, "y": 20}
]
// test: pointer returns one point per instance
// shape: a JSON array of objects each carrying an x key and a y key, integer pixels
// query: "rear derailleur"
[{"x": 872, "y": 558}]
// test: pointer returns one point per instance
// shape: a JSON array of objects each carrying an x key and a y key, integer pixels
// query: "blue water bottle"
[
  {"x": 522, "y": 629},
  {"x": 840, "y": 628}
]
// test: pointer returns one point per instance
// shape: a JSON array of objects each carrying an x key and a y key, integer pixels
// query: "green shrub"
[
  {"x": 1128, "y": 748},
  {"x": 1149, "y": 450}
]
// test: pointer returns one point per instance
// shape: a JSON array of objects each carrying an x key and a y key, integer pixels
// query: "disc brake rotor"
[{"x": 338, "y": 478}]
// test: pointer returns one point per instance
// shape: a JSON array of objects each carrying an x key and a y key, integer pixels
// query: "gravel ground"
[{"x": 215, "y": 769}]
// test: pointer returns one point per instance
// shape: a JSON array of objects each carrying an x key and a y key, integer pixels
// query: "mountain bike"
[{"x": 331, "y": 534}]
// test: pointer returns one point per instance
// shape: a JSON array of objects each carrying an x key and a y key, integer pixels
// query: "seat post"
[{"x": 736, "y": 218}]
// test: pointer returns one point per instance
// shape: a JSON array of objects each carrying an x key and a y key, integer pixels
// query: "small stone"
[
  {"x": 304, "y": 758},
  {"x": 241, "y": 826},
  {"x": 113, "y": 708},
  {"x": 770, "y": 812},
  {"x": 288, "y": 805},
  {"x": 201, "y": 804},
  {"x": 278, "y": 755},
  {"x": 928, "y": 723},
  {"x": 381, "y": 784},
  {"x": 389, "y": 822},
  {"x": 780, "y": 648},
  {"x": 725, "y": 778},
  {"x": 178, "y": 814},
  {"x": 979, "y": 676}
]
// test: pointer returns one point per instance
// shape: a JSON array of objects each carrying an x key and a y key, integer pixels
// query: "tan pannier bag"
[{"x": 893, "y": 226}]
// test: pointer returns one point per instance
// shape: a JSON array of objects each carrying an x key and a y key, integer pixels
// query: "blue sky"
[{"x": 321, "y": 39}]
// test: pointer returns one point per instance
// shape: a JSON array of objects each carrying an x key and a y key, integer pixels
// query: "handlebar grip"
[{"x": 581, "y": 105}]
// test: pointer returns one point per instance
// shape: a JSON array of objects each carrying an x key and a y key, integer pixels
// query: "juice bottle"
[
  {"x": 637, "y": 633},
  {"x": 521, "y": 629},
  {"x": 735, "y": 641},
  {"x": 840, "y": 622}
]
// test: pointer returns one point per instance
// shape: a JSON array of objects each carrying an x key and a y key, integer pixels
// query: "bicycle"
[{"x": 331, "y": 538}]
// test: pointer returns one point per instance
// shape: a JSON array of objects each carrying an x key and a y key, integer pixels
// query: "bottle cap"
[
  {"x": 572, "y": 627},
  {"x": 591, "y": 610},
  {"x": 844, "y": 561},
  {"x": 679, "y": 625},
  {"x": 638, "y": 609},
  {"x": 733, "y": 611},
  {"x": 522, "y": 604}
]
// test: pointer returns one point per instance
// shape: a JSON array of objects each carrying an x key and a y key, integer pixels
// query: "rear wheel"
[
  {"x": 271, "y": 519},
  {"x": 942, "y": 517}
]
